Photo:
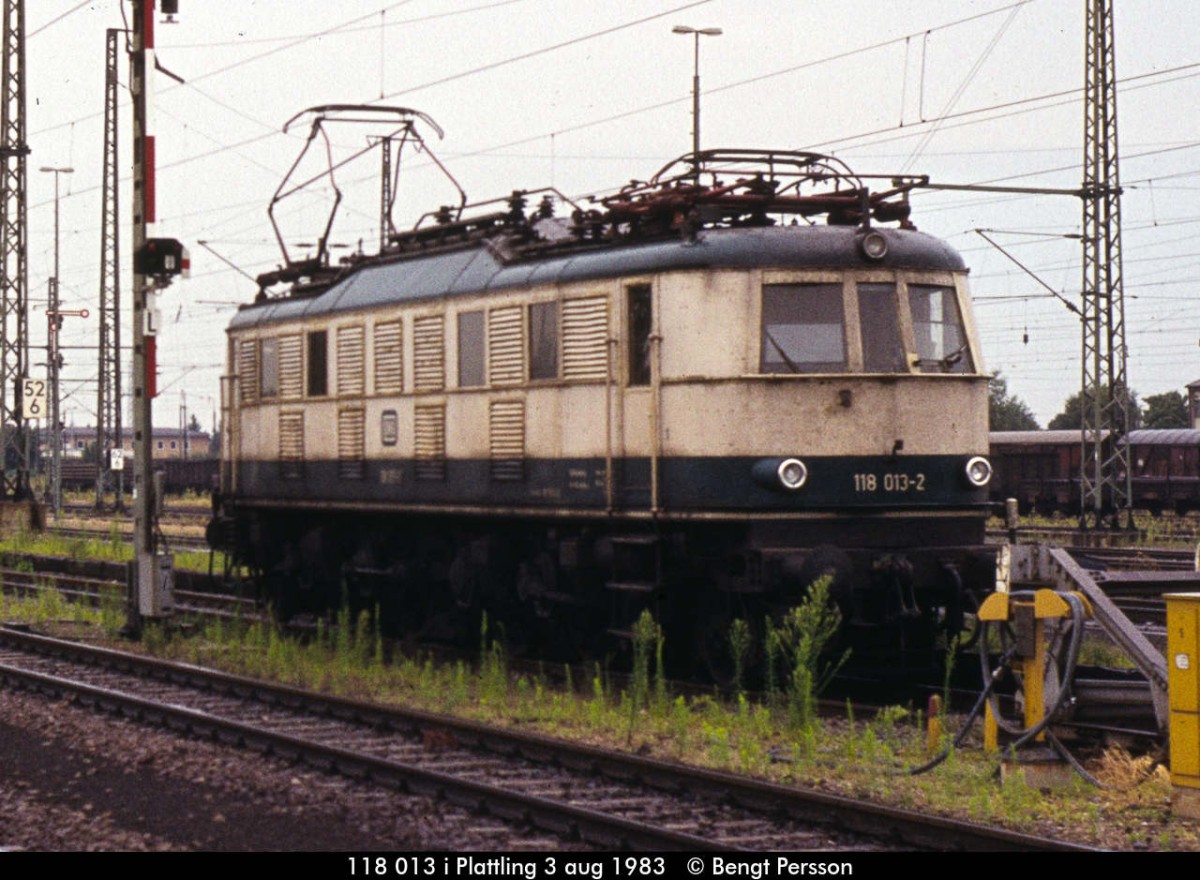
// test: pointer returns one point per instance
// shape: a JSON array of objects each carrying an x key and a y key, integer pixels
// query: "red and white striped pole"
[{"x": 150, "y": 592}]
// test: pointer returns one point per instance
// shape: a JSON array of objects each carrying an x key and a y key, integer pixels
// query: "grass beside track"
[
  {"x": 114, "y": 548},
  {"x": 763, "y": 736}
]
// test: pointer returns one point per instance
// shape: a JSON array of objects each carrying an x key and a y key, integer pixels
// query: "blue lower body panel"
[{"x": 684, "y": 484}]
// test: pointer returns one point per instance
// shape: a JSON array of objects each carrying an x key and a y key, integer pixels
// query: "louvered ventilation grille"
[
  {"x": 350, "y": 369},
  {"x": 291, "y": 445},
  {"x": 351, "y": 444},
  {"x": 389, "y": 358},
  {"x": 247, "y": 370},
  {"x": 291, "y": 367},
  {"x": 506, "y": 346},
  {"x": 429, "y": 424},
  {"x": 507, "y": 419},
  {"x": 585, "y": 338},
  {"x": 429, "y": 353}
]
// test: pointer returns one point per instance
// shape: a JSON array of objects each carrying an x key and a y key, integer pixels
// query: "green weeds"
[
  {"x": 801, "y": 641},
  {"x": 777, "y": 735}
]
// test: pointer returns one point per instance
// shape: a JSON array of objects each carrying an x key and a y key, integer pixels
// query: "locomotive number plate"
[{"x": 889, "y": 482}]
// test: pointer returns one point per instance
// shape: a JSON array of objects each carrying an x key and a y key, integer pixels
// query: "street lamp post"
[
  {"x": 697, "y": 33},
  {"x": 54, "y": 320}
]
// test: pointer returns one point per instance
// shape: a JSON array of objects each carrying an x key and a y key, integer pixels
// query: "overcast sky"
[{"x": 586, "y": 96}]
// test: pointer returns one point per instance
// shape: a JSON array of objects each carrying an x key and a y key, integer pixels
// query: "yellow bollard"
[
  {"x": 933, "y": 732},
  {"x": 991, "y": 730}
]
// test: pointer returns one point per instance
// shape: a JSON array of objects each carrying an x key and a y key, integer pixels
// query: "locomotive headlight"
[
  {"x": 873, "y": 245},
  {"x": 792, "y": 474},
  {"x": 780, "y": 474},
  {"x": 979, "y": 471}
]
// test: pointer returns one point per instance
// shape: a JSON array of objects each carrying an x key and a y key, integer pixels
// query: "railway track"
[
  {"x": 199, "y": 513},
  {"x": 106, "y": 534},
  {"x": 96, "y": 591},
  {"x": 611, "y": 800},
  {"x": 1073, "y": 536}
]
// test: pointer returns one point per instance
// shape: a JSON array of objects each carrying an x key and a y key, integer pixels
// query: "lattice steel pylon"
[
  {"x": 1105, "y": 476},
  {"x": 108, "y": 394},
  {"x": 14, "y": 274}
]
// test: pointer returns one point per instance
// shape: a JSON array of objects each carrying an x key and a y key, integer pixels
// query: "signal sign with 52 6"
[{"x": 33, "y": 398}]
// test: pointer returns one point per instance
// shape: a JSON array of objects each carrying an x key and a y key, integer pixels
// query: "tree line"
[{"x": 1007, "y": 412}]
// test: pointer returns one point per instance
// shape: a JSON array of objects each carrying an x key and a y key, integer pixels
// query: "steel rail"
[
  {"x": 82, "y": 588},
  {"x": 830, "y": 812}
]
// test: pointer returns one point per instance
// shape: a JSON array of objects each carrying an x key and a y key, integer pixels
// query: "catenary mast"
[
  {"x": 14, "y": 271},
  {"x": 1105, "y": 483}
]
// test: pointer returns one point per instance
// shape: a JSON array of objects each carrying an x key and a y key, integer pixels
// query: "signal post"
[{"x": 155, "y": 262}]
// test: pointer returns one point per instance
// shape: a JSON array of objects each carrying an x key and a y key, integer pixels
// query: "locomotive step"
[
  {"x": 636, "y": 540},
  {"x": 632, "y": 586}
]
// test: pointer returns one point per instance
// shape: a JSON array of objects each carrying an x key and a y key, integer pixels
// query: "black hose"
[
  {"x": 992, "y": 678},
  {"x": 1024, "y": 735}
]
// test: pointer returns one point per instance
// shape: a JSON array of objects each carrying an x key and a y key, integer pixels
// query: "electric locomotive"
[{"x": 695, "y": 396}]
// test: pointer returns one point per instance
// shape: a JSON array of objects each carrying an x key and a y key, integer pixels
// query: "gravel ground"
[{"x": 72, "y": 779}]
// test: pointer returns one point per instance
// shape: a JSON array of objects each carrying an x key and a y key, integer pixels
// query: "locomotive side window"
[
  {"x": 937, "y": 325},
  {"x": 268, "y": 368},
  {"x": 543, "y": 341},
  {"x": 640, "y": 320},
  {"x": 883, "y": 352},
  {"x": 470, "y": 349},
  {"x": 803, "y": 328},
  {"x": 318, "y": 363}
]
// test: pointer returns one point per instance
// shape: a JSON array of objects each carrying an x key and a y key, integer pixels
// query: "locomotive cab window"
[
  {"x": 543, "y": 341},
  {"x": 938, "y": 328},
  {"x": 318, "y": 363},
  {"x": 883, "y": 351},
  {"x": 803, "y": 329}
]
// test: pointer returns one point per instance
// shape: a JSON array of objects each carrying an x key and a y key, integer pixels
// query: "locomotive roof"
[{"x": 478, "y": 268}]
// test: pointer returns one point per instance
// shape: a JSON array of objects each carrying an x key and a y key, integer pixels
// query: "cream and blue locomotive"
[{"x": 695, "y": 396}]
